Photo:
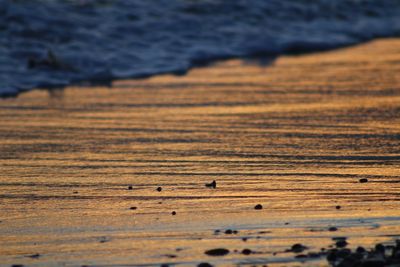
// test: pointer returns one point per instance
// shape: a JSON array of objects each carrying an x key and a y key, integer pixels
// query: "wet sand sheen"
[{"x": 296, "y": 136}]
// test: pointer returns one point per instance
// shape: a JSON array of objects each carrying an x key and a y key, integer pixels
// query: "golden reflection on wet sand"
[{"x": 295, "y": 136}]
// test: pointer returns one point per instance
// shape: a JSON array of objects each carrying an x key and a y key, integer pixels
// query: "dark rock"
[
  {"x": 343, "y": 253},
  {"x": 34, "y": 256},
  {"x": 217, "y": 252},
  {"x": 204, "y": 264},
  {"x": 332, "y": 229},
  {"x": 298, "y": 248},
  {"x": 380, "y": 248},
  {"x": 341, "y": 243},
  {"x": 164, "y": 265},
  {"x": 258, "y": 207},
  {"x": 213, "y": 184},
  {"x": 159, "y": 189},
  {"x": 338, "y": 207},
  {"x": 170, "y": 256},
  {"x": 244, "y": 239},
  {"x": 363, "y": 180},
  {"x": 130, "y": 187},
  {"x": 360, "y": 250},
  {"x": 133, "y": 208},
  {"x": 173, "y": 213},
  {"x": 246, "y": 251},
  {"x": 228, "y": 231},
  {"x": 331, "y": 256}
]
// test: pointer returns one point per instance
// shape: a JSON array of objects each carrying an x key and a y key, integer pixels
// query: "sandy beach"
[{"x": 116, "y": 176}]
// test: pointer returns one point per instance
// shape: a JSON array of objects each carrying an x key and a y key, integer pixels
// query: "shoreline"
[{"x": 297, "y": 136}]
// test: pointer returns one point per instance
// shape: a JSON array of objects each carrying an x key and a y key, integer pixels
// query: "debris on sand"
[
  {"x": 159, "y": 189},
  {"x": 133, "y": 208},
  {"x": 173, "y": 213},
  {"x": 338, "y": 207},
  {"x": 213, "y": 184},
  {"x": 217, "y": 252},
  {"x": 258, "y": 207},
  {"x": 130, "y": 187},
  {"x": 363, "y": 180}
]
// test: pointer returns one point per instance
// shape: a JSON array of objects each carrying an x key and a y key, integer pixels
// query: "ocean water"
[{"x": 56, "y": 43}]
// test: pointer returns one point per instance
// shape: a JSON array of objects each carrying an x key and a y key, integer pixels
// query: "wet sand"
[{"x": 295, "y": 136}]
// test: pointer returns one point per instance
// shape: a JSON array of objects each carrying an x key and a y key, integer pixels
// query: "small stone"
[
  {"x": 360, "y": 250},
  {"x": 244, "y": 239},
  {"x": 298, "y": 248},
  {"x": 34, "y": 256},
  {"x": 204, "y": 264},
  {"x": 217, "y": 252},
  {"x": 159, "y": 189},
  {"x": 173, "y": 213},
  {"x": 338, "y": 207},
  {"x": 258, "y": 207},
  {"x": 228, "y": 232},
  {"x": 363, "y": 180},
  {"x": 133, "y": 208},
  {"x": 213, "y": 184},
  {"x": 341, "y": 243},
  {"x": 130, "y": 187},
  {"x": 332, "y": 229},
  {"x": 246, "y": 251},
  {"x": 380, "y": 248}
]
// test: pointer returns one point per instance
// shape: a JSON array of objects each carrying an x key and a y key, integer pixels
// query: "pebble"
[
  {"x": 133, "y": 208},
  {"x": 173, "y": 213},
  {"x": 34, "y": 256},
  {"x": 130, "y": 187},
  {"x": 298, "y": 248},
  {"x": 204, "y": 264},
  {"x": 258, "y": 207},
  {"x": 338, "y": 207},
  {"x": 363, "y": 180},
  {"x": 332, "y": 229},
  {"x": 246, "y": 251},
  {"x": 159, "y": 189},
  {"x": 217, "y": 252},
  {"x": 213, "y": 184},
  {"x": 341, "y": 243}
]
